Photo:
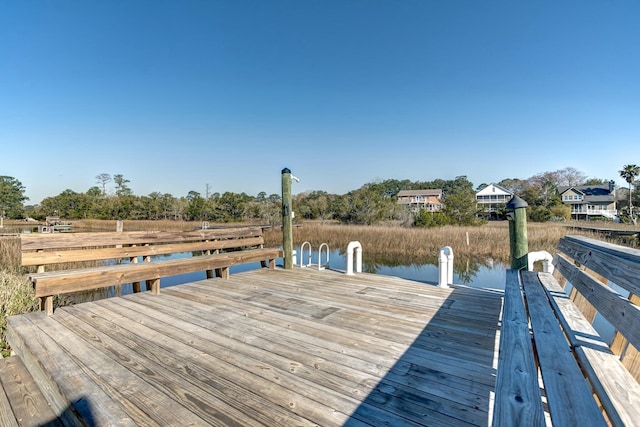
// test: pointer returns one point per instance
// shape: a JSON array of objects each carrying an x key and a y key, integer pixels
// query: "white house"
[{"x": 492, "y": 199}]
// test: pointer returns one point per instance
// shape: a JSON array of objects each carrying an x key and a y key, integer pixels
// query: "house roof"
[
  {"x": 409, "y": 193},
  {"x": 588, "y": 190},
  {"x": 493, "y": 189},
  {"x": 591, "y": 193}
]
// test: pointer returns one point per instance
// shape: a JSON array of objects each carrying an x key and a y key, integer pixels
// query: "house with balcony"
[
  {"x": 416, "y": 200},
  {"x": 590, "y": 201},
  {"x": 491, "y": 201}
]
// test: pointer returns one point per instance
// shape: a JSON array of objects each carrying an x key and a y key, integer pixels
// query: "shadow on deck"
[
  {"x": 273, "y": 348},
  {"x": 446, "y": 376}
]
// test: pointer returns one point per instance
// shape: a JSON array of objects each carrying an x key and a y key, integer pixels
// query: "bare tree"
[{"x": 570, "y": 177}]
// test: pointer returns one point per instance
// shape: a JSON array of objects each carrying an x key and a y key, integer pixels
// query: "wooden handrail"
[{"x": 581, "y": 259}]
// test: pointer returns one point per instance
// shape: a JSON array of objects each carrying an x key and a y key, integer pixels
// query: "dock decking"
[{"x": 270, "y": 347}]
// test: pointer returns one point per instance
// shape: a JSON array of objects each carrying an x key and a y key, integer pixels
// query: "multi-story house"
[
  {"x": 492, "y": 200},
  {"x": 588, "y": 201},
  {"x": 430, "y": 200}
]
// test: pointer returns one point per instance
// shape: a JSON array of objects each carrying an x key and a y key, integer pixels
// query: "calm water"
[
  {"x": 488, "y": 275},
  {"x": 482, "y": 275}
]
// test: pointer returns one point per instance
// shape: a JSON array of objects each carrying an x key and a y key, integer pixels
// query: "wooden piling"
[
  {"x": 518, "y": 244},
  {"x": 287, "y": 220}
]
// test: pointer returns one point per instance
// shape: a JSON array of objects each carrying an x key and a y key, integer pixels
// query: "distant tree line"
[{"x": 374, "y": 202}]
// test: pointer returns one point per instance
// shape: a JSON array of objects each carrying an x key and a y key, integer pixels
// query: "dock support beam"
[
  {"x": 518, "y": 243},
  {"x": 287, "y": 220}
]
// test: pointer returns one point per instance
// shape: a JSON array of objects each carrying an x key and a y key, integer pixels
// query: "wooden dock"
[{"x": 269, "y": 347}]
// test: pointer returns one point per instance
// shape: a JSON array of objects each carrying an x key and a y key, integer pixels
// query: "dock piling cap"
[
  {"x": 286, "y": 170},
  {"x": 515, "y": 203}
]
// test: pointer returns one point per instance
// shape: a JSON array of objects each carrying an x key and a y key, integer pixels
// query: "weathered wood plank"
[
  {"x": 568, "y": 394},
  {"x": 67, "y": 281},
  {"x": 394, "y": 302},
  {"x": 616, "y": 388},
  {"x": 617, "y": 263},
  {"x": 245, "y": 355},
  {"x": 578, "y": 329},
  {"x": 7, "y": 416},
  {"x": 329, "y": 342},
  {"x": 412, "y": 309},
  {"x": 79, "y": 255},
  {"x": 62, "y": 381},
  {"x": 35, "y": 241},
  {"x": 123, "y": 383},
  {"x": 283, "y": 349},
  {"x": 277, "y": 350},
  {"x": 27, "y": 402},
  {"x": 373, "y": 331},
  {"x": 160, "y": 367},
  {"x": 619, "y": 311},
  {"x": 218, "y": 348},
  {"x": 518, "y": 400}
]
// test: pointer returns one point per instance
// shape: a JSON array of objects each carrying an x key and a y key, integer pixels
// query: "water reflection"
[
  {"x": 477, "y": 273},
  {"x": 481, "y": 273}
]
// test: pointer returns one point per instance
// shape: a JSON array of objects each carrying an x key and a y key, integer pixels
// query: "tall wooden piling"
[
  {"x": 287, "y": 219},
  {"x": 518, "y": 244}
]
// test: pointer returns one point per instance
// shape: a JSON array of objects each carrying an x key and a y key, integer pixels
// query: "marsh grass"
[
  {"x": 10, "y": 253},
  {"x": 16, "y": 297},
  {"x": 422, "y": 245}
]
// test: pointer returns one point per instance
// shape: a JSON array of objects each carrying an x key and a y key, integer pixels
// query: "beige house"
[
  {"x": 416, "y": 200},
  {"x": 589, "y": 201}
]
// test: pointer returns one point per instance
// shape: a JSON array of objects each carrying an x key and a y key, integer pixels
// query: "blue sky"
[{"x": 175, "y": 95}]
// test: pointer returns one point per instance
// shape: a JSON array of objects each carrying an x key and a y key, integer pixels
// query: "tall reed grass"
[{"x": 422, "y": 245}]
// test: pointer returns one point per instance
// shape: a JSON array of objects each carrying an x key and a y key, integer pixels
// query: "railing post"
[
  {"x": 287, "y": 220},
  {"x": 518, "y": 244},
  {"x": 352, "y": 247},
  {"x": 445, "y": 267}
]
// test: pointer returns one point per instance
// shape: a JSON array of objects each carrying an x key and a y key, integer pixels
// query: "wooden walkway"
[{"x": 269, "y": 347}]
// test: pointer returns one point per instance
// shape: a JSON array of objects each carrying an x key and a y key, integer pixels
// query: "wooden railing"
[
  {"x": 548, "y": 331},
  {"x": 591, "y": 266},
  {"x": 609, "y": 213},
  {"x": 213, "y": 251}
]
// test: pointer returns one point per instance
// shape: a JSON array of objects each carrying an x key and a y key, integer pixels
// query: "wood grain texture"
[
  {"x": 28, "y": 405},
  {"x": 619, "y": 311},
  {"x": 35, "y": 241},
  {"x": 61, "y": 255},
  {"x": 617, "y": 390},
  {"x": 7, "y": 416},
  {"x": 221, "y": 248},
  {"x": 569, "y": 395},
  {"x": 617, "y": 263},
  {"x": 276, "y": 347},
  {"x": 518, "y": 400}
]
